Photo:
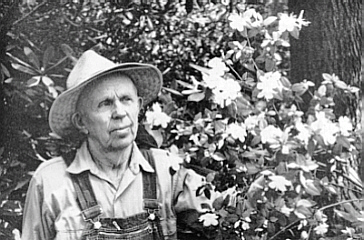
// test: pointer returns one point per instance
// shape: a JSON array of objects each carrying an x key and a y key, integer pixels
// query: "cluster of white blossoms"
[
  {"x": 236, "y": 131},
  {"x": 156, "y": 117},
  {"x": 248, "y": 19},
  {"x": 291, "y": 22},
  {"x": 224, "y": 90},
  {"x": 325, "y": 128},
  {"x": 269, "y": 85},
  {"x": 277, "y": 138}
]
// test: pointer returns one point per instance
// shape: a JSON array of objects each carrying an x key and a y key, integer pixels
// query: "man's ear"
[
  {"x": 140, "y": 101},
  {"x": 77, "y": 121}
]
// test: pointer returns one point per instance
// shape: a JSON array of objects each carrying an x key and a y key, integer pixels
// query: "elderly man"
[{"x": 110, "y": 189}]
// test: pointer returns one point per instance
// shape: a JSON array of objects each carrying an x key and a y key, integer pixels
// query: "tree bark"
[{"x": 330, "y": 44}]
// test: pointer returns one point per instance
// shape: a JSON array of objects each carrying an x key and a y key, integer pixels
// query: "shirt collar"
[{"x": 83, "y": 161}]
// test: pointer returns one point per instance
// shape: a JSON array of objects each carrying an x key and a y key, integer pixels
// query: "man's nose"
[{"x": 118, "y": 111}]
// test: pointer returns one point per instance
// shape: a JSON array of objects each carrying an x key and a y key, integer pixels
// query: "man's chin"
[{"x": 121, "y": 144}]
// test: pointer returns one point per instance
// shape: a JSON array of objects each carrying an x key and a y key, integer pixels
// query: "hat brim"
[{"x": 147, "y": 79}]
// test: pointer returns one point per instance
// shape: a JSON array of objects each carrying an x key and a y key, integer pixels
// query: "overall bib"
[{"x": 142, "y": 226}]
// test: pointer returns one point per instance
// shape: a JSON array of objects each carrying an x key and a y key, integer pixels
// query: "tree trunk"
[{"x": 330, "y": 44}]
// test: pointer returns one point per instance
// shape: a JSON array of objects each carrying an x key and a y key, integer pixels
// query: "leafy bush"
[{"x": 273, "y": 170}]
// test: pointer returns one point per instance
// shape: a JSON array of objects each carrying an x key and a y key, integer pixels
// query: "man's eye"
[
  {"x": 126, "y": 99},
  {"x": 105, "y": 103}
]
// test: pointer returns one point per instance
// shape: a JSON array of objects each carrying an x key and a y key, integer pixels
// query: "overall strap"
[
  {"x": 150, "y": 183},
  {"x": 85, "y": 196},
  {"x": 151, "y": 204}
]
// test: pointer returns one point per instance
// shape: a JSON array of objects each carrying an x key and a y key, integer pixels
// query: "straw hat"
[{"x": 91, "y": 66}]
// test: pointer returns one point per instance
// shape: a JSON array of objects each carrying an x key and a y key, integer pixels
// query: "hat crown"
[{"x": 87, "y": 66}]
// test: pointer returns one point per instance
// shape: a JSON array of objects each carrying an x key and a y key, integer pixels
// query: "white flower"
[
  {"x": 325, "y": 127},
  {"x": 211, "y": 81},
  {"x": 253, "y": 18},
  {"x": 290, "y": 22},
  {"x": 269, "y": 84},
  {"x": 249, "y": 19},
  {"x": 345, "y": 126},
  {"x": 271, "y": 135},
  {"x": 251, "y": 122},
  {"x": 279, "y": 183},
  {"x": 286, "y": 22},
  {"x": 304, "y": 132},
  {"x": 237, "y": 22},
  {"x": 209, "y": 219},
  {"x": 302, "y": 22},
  {"x": 225, "y": 91},
  {"x": 237, "y": 131},
  {"x": 245, "y": 225},
  {"x": 321, "y": 229},
  {"x": 304, "y": 235},
  {"x": 156, "y": 117},
  {"x": 218, "y": 67},
  {"x": 349, "y": 231}
]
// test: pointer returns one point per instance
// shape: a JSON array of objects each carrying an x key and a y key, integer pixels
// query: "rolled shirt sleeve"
[
  {"x": 186, "y": 196},
  {"x": 37, "y": 219}
]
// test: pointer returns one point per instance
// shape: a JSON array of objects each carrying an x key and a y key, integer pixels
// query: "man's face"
[{"x": 109, "y": 111}]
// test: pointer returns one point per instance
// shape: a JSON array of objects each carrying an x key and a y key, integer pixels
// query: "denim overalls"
[{"x": 144, "y": 225}]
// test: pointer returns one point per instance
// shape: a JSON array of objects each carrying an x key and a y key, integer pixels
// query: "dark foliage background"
[{"x": 41, "y": 40}]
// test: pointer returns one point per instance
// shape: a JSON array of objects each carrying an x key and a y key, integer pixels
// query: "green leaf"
[
  {"x": 353, "y": 176},
  {"x": 345, "y": 215},
  {"x": 18, "y": 60},
  {"x": 218, "y": 203},
  {"x": 32, "y": 57},
  {"x": 285, "y": 82},
  {"x": 232, "y": 109},
  {"x": 295, "y": 33},
  {"x": 217, "y": 156},
  {"x": 34, "y": 81},
  {"x": 312, "y": 189},
  {"x": 269, "y": 20},
  {"x": 196, "y": 97},
  {"x": 306, "y": 203},
  {"x": 207, "y": 193},
  {"x": 299, "y": 88},
  {"x": 311, "y": 147},
  {"x": 48, "y": 56},
  {"x": 252, "y": 168},
  {"x": 69, "y": 52},
  {"x": 199, "y": 68},
  {"x": 341, "y": 84},
  {"x": 210, "y": 177},
  {"x": 327, "y": 77},
  {"x": 343, "y": 141},
  {"x": 5, "y": 70},
  {"x": 205, "y": 206},
  {"x": 23, "y": 69},
  {"x": 269, "y": 64},
  {"x": 302, "y": 212}
]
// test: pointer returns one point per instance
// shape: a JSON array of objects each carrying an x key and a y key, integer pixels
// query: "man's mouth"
[{"x": 120, "y": 129}]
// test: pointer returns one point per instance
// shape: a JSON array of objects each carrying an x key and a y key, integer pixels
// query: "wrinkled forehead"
[
  {"x": 113, "y": 81},
  {"x": 114, "y": 78}
]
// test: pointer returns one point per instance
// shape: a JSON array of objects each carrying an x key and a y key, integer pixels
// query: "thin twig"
[
  {"x": 339, "y": 203},
  {"x": 29, "y": 13},
  {"x": 255, "y": 65},
  {"x": 284, "y": 229}
]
